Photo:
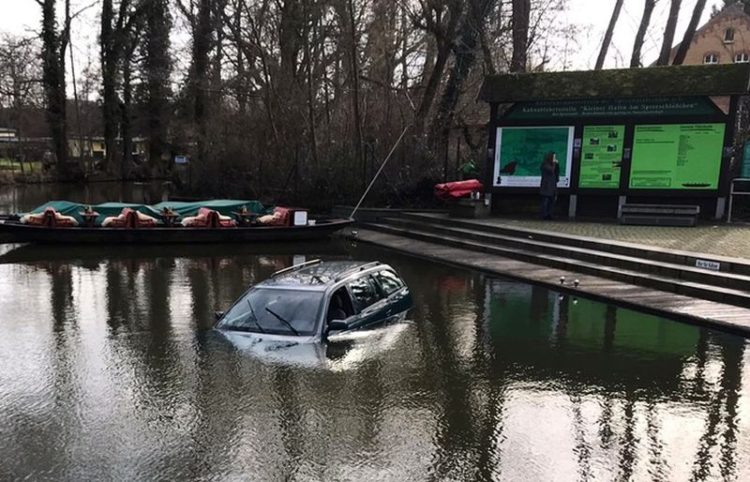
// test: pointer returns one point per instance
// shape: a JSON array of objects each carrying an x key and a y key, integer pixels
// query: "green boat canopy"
[{"x": 184, "y": 209}]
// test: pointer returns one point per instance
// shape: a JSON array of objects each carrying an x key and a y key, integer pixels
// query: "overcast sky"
[{"x": 591, "y": 16}]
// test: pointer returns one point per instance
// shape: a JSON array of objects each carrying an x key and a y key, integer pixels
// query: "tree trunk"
[
  {"x": 158, "y": 67},
  {"x": 53, "y": 78},
  {"x": 81, "y": 155},
  {"x": 608, "y": 35},
  {"x": 648, "y": 9},
  {"x": 687, "y": 39},
  {"x": 311, "y": 119},
  {"x": 240, "y": 84},
  {"x": 125, "y": 134},
  {"x": 200, "y": 72},
  {"x": 666, "y": 46},
  {"x": 521, "y": 16},
  {"x": 355, "y": 83},
  {"x": 444, "y": 37},
  {"x": 109, "y": 85},
  {"x": 432, "y": 87},
  {"x": 465, "y": 54}
]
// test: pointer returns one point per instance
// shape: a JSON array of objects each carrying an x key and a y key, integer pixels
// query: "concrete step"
[
  {"x": 661, "y": 268},
  {"x": 698, "y": 290},
  {"x": 728, "y": 265}
]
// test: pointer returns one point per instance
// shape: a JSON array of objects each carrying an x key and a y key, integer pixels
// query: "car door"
[
  {"x": 393, "y": 288},
  {"x": 370, "y": 304}
]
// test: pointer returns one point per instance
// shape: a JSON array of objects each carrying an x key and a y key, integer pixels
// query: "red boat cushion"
[
  {"x": 208, "y": 218},
  {"x": 458, "y": 189},
  {"x": 129, "y": 218},
  {"x": 280, "y": 217},
  {"x": 50, "y": 218}
]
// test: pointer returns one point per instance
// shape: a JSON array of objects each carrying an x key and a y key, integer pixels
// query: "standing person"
[{"x": 550, "y": 169}]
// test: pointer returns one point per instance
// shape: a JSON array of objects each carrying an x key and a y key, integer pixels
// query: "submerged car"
[{"x": 312, "y": 301}]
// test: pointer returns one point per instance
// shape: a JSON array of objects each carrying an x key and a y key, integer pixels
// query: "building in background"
[{"x": 724, "y": 39}]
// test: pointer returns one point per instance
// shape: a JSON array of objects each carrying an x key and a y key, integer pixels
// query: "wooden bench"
[{"x": 659, "y": 214}]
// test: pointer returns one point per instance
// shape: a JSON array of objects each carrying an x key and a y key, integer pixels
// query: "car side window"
[
  {"x": 364, "y": 292},
  {"x": 389, "y": 282},
  {"x": 340, "y": 306}
]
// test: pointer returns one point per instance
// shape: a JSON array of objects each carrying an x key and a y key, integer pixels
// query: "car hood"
[{"x": 292, "y": 350}]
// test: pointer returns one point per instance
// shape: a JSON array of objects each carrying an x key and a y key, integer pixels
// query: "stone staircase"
[{"x": 656, "y": 268}]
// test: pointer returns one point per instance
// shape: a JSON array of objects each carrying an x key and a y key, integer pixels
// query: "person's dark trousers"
[{"x": 548, "y": 206}]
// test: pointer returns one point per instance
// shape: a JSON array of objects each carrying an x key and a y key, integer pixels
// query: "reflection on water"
[{"x": 109, "y": 370}]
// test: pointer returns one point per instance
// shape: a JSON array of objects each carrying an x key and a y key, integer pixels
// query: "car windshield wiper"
[
  {"x": 296, "y": 333},
  {"x": 255, "y": 318}
]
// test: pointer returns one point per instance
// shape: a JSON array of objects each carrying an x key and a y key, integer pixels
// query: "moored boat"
[{"x": 215, "y": 221}]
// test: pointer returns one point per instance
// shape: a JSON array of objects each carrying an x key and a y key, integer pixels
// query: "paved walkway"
[{"x": 718, "y": 239}]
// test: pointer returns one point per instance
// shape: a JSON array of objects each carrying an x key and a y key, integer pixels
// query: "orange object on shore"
[{"x": 458, "y": 189}]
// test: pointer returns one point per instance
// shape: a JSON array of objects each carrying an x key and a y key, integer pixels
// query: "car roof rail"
[
  {"x": 357, "y": 269},
  {"x": 296, "y": 267}
]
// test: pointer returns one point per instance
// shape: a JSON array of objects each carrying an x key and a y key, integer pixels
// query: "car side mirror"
[
  {"x": 337, "y": 325},
  {"x": 218, "y": 315}
]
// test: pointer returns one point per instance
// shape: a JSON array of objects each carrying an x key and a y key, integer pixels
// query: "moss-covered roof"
[{"x": 683, "y": 80}]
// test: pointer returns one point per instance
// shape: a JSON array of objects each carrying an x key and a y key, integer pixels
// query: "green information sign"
[
  {"x": 601, "y": 157},
  {"x": 677, "y": 156},
  {"x": 745, "y": 173},
  {"x": 519, "y": 153}
]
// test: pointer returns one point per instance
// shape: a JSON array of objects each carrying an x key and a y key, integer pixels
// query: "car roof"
[{"x": 316, "y": 275}]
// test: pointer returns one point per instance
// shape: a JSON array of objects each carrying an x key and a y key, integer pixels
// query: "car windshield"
[{"x": 276, "y": 311}]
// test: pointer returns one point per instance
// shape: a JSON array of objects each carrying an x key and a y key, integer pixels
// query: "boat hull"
[{"x": 14, "y": 232}]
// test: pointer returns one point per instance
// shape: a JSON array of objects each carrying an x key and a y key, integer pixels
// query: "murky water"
[{"x": 109, "y": 370}]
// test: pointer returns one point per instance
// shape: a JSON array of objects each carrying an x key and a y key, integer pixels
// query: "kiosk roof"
[{"x": 671, "y": 81}]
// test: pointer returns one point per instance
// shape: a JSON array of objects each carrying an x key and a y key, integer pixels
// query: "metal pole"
[
  {"x": 393, "y": 149},
  {"x": 731, "y": 198}
]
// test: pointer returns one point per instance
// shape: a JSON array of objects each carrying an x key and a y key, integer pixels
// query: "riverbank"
[{"x": 701, "y": 288}]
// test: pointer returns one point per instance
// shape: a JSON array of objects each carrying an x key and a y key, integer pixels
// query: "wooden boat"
[
  {"x": 12, "y": 231},
  {"x": 77, "y": 229}
]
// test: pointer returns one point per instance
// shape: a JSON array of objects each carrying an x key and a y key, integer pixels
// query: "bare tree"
[
  {"x": 520, "y": 19},
  {"x": 648, "y": 10},
  {"x": 440, "y": 19},
  {"x": 687, "y": 39},
  {"x": 54, "y": 46},
  {"x": 157, "y": 68},
  {"x": 669, "y": 31},
  {"x": 303, "y": 96},
  {"x": 464, "y": 53},
  {"x": 115, "y": 41},
  {"x": 608, "y": 35},
  {"x": 20, "y": 82},
  {"x": 198, "y": 81}
]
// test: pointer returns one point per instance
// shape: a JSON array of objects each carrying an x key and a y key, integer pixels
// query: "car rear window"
[{"x": 389, "y": 281}]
